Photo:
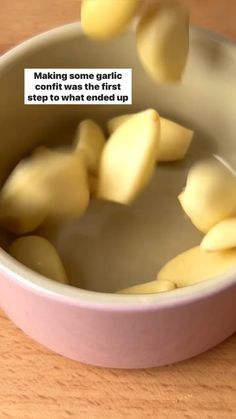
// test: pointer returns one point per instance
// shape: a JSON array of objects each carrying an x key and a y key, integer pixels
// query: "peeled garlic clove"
[
  {"x": 51, "y": 183},
  {"x": 210, "y": 194},
  {"x": 195, "y": 265},
  {"x": 128, "y": 158},
  {"x": 151, "y": 287},
  {"x": 163, "y": 41},
  {"x": 22, "y": 208},
  {"x": 90, "y": 140},
  {"x": 20, "y": 217},
  {"x": 105, "y": 19},
  {"x": 221, "y": 237},
  {"x": 117, "y": 121},
  {"x": 65, "y": 180},
  {"x": 40, "y": 255},
  {"x": 175, "y": 141}
]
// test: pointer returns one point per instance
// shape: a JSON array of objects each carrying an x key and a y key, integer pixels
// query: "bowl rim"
[{"x": 46, "y": 287}]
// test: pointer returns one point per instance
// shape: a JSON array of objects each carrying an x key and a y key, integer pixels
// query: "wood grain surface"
[{"x": 37, "y": 384}]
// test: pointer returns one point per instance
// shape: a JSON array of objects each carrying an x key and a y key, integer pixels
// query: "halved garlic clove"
[
  {"x": 175, "y": 139},
  {"x": 105, "y": 19},
  {"x": 40, "y": 255},
  {"x": 210, "y": 194},
  {"x": 128, "y": 158},
  {"x": 163, "y": 41},
  {"x": 221, "y": 237},
  {"x": 195, "y": 265},
  {"x": 152, "y": 287},
  {"x": 90, "y": 140}
]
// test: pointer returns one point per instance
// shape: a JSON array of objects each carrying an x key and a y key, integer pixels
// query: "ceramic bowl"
[{"x": 112, "y": 247}]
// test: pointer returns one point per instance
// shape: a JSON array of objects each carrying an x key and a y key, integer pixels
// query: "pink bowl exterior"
[{"x": 120, "y": 336}]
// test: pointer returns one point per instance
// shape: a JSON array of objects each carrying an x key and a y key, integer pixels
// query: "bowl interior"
[{"x": 113, "y": 246}]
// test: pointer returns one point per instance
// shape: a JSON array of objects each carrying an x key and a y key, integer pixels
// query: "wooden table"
[{"x": 37, "y": 384}]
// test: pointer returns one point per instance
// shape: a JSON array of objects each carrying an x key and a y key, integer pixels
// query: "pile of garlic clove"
[
  {"x": 59, "y": 183},
  {"x": 209, "y": 200}
]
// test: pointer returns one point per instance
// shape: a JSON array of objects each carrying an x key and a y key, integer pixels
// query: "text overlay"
[{"x": 83, "y": 86}]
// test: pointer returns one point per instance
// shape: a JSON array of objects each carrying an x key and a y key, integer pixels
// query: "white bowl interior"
[{"x": 113, "y": 246}]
